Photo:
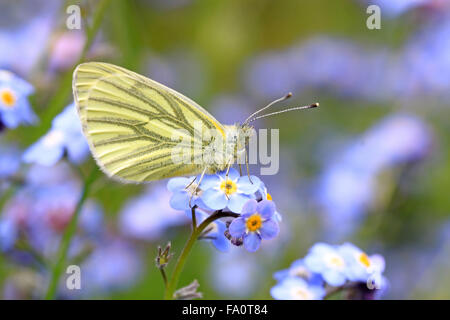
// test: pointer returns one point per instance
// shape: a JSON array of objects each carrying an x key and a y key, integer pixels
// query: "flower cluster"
[
  {"x": 328, "y": 269},
  {"x": 243, "y": 195}
]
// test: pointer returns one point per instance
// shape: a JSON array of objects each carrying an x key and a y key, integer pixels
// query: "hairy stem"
[
  {"x": 171, "y": 286},
  {"x": 66, "y": 240}
]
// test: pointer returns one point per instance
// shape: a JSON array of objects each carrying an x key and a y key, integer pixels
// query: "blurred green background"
[{"x": 207, "y": 50}]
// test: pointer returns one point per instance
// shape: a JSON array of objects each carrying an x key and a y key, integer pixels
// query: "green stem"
[
  {"x": 171, "y": 286},
  {"x": 66, "y": 240}
]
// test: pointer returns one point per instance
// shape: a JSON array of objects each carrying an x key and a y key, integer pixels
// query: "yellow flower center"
[
  {"x": 269, "y": 197},
  {"x": 228, "y": 187},
  {"x": 8, "y": 98},
  {"x": 254, "y": 222},
  {"x": 364, "y": 260},
  {"x": 301, "y": 294},
  {"x": 335, "y": 261}
]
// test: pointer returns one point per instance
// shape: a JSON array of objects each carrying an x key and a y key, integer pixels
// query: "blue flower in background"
[
  {"x": 232, "y": 192},
  {"x": 347, "y": 187},
  {"x": 344, "y": 267},
  {"x": 113, "y": 265},
  {"x": 182, "y": 189},
  {"x": 215, "y": 231},
  {"x": 293, "y": 288},
  {"x": 360, "y": 266},
  {"x": 328, "y": 261},
  {"x": 15, "y": 109},
  {"x": 149, "y": 215},
  {"x": 298, "y": 269},
  {"x": 256, "y": 223},
  {"x": 9, "y": 160},
  {"x": 65, "y": 136}
]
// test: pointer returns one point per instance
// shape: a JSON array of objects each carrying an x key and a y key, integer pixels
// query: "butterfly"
[{"x": 130, "y": 121}]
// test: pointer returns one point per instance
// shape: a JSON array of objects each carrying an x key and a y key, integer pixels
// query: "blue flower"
[
  {"x": 113, "y": 265},
  {"x": 15, "y": 108},
  {"x": 256, "y": 223},
  {"x": 328, "y": 261},
  {"x": 294, "y": 288},
  {"x": 232, "y": 192},
  {"x": 182, "y": 189},
  {"x": 298, "y": 269},
  {"x": 348, "y": 184},
  {"x": 215, "y": 231},
  {"x": 65, "y": 136}
]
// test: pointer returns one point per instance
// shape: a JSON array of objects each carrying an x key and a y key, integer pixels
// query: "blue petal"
[
  {"x": 252, "y": 242},
  {"x": 78, "y": 149},
  {"x": 247, "y": 187},
  {"x": 237, "y": 227},
  {"x": 180, "y": 200},
  {"x": 237, "y": 202},
  {"x": 249, "y": 207},
  {"x": 266, "y": 208},
  {"x": 269, "y": 229},
  {"x": 210, "y": 181},
  {"x": 177, "y": 184},
  {"x": 214, "y": 199},
  {"x": 221, "y": 243},
  {"x": 233, "y": 174},
  {"x": 39, "y": 153}
]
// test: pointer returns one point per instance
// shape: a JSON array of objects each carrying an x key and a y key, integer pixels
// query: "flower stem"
[
  {"x": 66, "y": 239},
  {"x": 171, "y": 286}
]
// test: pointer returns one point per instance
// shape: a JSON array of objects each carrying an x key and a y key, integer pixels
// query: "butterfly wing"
[{"x": 129, "y": 122}]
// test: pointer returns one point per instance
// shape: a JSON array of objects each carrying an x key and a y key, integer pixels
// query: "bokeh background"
[{"x": 371, "y": 166}]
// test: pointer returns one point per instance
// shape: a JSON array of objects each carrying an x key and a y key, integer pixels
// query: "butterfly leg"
[
  {"x": 197, "y": 186},
  {"x": 246, "y": 164},
  {"x": 190, "y": 183}
]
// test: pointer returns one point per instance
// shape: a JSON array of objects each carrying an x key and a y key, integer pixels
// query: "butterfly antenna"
[
  {"x": 268, "y": 106},
  {"x": 315, "y": 105}
]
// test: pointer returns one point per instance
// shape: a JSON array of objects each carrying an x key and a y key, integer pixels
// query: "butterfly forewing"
[{"x": 130, "y": 120}]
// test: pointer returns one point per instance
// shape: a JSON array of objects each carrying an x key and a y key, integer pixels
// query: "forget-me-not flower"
[
  {"x": 65, "y": 137},
  {"x": 294, "y": 288},
  {"x": 298, "y": 269},
  {"x": 15, "y": 109},
  {"x": 183, "y": 189},
  {"x": 233, "y": 191},
  {"x": 256, "y": 223}
]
